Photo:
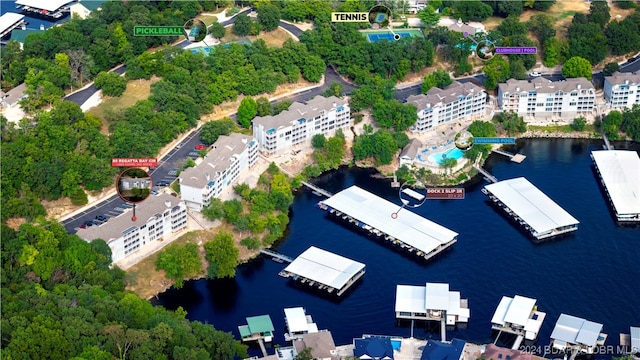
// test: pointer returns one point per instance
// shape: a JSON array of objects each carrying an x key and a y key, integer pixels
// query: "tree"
[
  {"x": 217, "y": 30},
  {"x": 554, "y": 51},
  {"x": 472, "y": 10},
  {"x": 318, "y": 141},
  {"x": 599, "y": 13},
  {"x": 577, "y": 67},
  {"x": 264, "y": 106},
  {"x": 587, "y": 41},
  {"x": 497, "y": 70},
  {"x": 242, "y": 24},
  {"x": 631, "y": 122},
  {"x": 428, "y": 16},
  {"x": 211, "y": 130},
  {"x": 112, "y": 84},
  {"x": 394, "y": 114},
  {"x": 611, "y": 124},
  {"x": 510, "y": 122},
  {"x": 222, "y": 255},
  {"x": 610, "y": 68},
  {"x": 542, "y": 26},
  {"x": 335, "y": 89},
  {"x": 579, "y": 123},
  {"x": 180, "y": 262},
  {"x": 449, "y": 163},
  {"x": 313, "y": 68},
  {"x": 439, "y": 78},
  {"x": 512, "y": 26},
  {"x": 623, "y": 37},
  {"x": 247, "y": 111},
  {"x": 269, "y": 17}
]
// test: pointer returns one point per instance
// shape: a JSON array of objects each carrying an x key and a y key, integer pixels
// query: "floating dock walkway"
[
  {"x": 277, "y": 256},
  {"x": 317, "y": 189},
  {"x": 531, "y": 208},
  {"x": 486, "y": 174},
  {"x": 373, "y": 215},
  {"x": 516, "y": 158},
  {"x": 619, "y": 172}
]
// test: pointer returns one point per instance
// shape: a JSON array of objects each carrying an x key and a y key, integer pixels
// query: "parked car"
[
  {"x": 535, "y": 74},
  {"x": 89, "y": 223},
  {"x": 163, "y": 183},
  {"x": 200, "y": 147},
  {"x": 101, "y": 218},
  {"x": 194, "y": 154}
]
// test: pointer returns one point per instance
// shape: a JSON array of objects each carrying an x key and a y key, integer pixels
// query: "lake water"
[{"x": 593, "y": 273}]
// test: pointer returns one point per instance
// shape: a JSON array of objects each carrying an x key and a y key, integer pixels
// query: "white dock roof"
[
  {"x": 296, "y": 319},
  {"x": 410, "y": 228},
  {"x": 514, "y": 310},
  {"x": 324, "y": 267},
  {"x": 575, "y": 330},
  {"x": 531, "y": 205},
  {"x": 49, "y": 5},
  {"x": 9, "y": 19},
  {"x": 433, "y": 296},
  {"x": 635, "y": 338},
  {"x": 620, "y": 171}
]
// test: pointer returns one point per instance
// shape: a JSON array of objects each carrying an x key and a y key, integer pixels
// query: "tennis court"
[{"x": 389, "y": 36}]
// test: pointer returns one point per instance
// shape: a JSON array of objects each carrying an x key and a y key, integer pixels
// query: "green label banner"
[{"x": 158, "y": 30}]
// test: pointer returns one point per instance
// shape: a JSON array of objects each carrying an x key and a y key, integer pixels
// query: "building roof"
[
  {"x": 373, "y": 348},
  {"x": 14, "y": 95},
  {"x": 534, "y": 207},
  {"x": 620, "y": 171},
  {"x": 514, "y": 310},
  {"x": 575, "y": 330},
  {"x": 20, "y": 35},
  {"x": 449, "y": 94},
  {"x": 9, "y": 19},
  {"x": 618, "y": 78},
  {"x": 116, "y": 227},
  {"x": 439, "y": 350},
  {"x": 542, "y": 85},
  {"x": 49, "y": 5},
  {"x": 260, "y": 324},
  {"x": 433, "y": 296},
  {"x": 325, "y": 267},
  {"x": 492, "y": 351},
  {"x": 296, "y": 320},
  {"x": 411, "y": 150},
  {"x": 321, "y": 344},
  {"x": 459, "y": 26},
  {"x": 408, "y": 227},
  {"x": 296, "y": 111},
  {"x": 635, "y": 338},
  {"x": 225, "y": 151}
]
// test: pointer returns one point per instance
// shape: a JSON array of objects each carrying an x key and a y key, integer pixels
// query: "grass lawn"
[
  {"x": 136, "y": 90},
  {"x": 560, "y": 128},
  {"x": 208, "y": 19},
  {"x": 275, "y": 38}
]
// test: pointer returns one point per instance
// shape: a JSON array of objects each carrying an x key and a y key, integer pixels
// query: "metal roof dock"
[
  {"x": 298, "y": 323},
  {"x": 520, "y": 316},
  {"x": 373, "y": 215},
  {"x": 530, "y": 207},
  {"x": 259, "y": 328},
  {"x": 577, "y": 334},
  {"x": 619, "y": 173},
  {"x": 324, "y": 270},
  {"x": 432, "y": 302},
  {"x": 10, "y": 21}
]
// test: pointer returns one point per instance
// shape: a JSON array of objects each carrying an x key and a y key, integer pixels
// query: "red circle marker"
[
  {"x": 134, "y": 218},
  {"x": 394, "y": 215}
]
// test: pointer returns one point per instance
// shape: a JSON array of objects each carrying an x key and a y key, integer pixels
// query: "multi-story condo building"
[
  {"x": 458, "y": 101},
  {"x": 156, "y": 218},
  {"x": 298, "y": 124},
  {"x": 542, "y": 98},
  {"x": 622, "y": 90},
  {"x": 220, "y": 168}
]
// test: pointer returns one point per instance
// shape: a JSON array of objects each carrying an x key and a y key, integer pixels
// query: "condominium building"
[
  {"x": 622, "y": 90},
  {"x": 156, "y": 218},
  {"x": 542, "y": 98},
  {"x": 298, "y": 124},
  {"x": 458, "y": 101},
  {"x": 220, "y": 169}
]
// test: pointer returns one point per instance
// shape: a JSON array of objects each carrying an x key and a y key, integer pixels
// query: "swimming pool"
[
  {"x": 454, "y": 153},
  {"x": 396, "y": 343}
]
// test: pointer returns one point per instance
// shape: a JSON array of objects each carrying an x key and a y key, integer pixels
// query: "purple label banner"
[{"x": 516, "y": 50}]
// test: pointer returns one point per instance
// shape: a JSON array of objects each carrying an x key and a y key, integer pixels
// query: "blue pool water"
[
  {"x": 454, "y": 153},
  {"x": 396, "y": 344}
]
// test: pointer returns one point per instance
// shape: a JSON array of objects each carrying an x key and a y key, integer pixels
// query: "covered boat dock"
[
  {"x": 373, "y": 214},
  {"x": 531, "y": 208},
  {"x": 619, "y": 171}
]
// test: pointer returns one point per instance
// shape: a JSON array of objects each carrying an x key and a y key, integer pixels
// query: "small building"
[
  {"x": 83, "y": 8},
  {"x": 11, "y": 97},
  {"x": 619, "y": 171},
  {"x": 531, "y": 208},
  {"x": 520, "y": 316},
  {"x": 158, "y": 217},
  {"x": 456, "y": 102},
  {"x": 544, "y": 99},
  {"x": 324, "y": 270},
  {"x": 278, "y": 134},
  {"x": 373, "y": 348},
  {"x": 409, "y": 152},
  {"x": 572, "y": 333},
  {"x": 631, "y": 342},
  {"x": 461, "y": 27},
  {"x": 444, "y": 350},
  {"x": 321, "y": 343},
  {"x": 622, "y": 90},
  {"x": 298, "y": 323},
  {"x": 433, "y": 302},
  {"x": 128, "y": 183},
  {"x": 257, "y": 328},
  {"x": 230, "y": 155}
]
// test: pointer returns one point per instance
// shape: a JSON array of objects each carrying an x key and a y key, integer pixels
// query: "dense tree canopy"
[
  {"x": 268, "y": 16},
  {"x": 394, "y": 114},
  {"x": 211, "y": 131},
  {"x": 577, "y": 67},
  {"x": 438, "y": 78},
  {"x": 222, "y": 255},
  {"x": 180, "y": 262},
  {"x": 381, "y": 146},
  {"x": 110, "y": 83},
  {"x": 247, "y": 111}
]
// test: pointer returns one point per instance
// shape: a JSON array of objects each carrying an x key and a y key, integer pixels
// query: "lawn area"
[
  {"x": 136, "y": 90},
  {"x": 275, "y": 38},
  {"x": 589, "y": 128},
  {"x": 208, "y": 19}
]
